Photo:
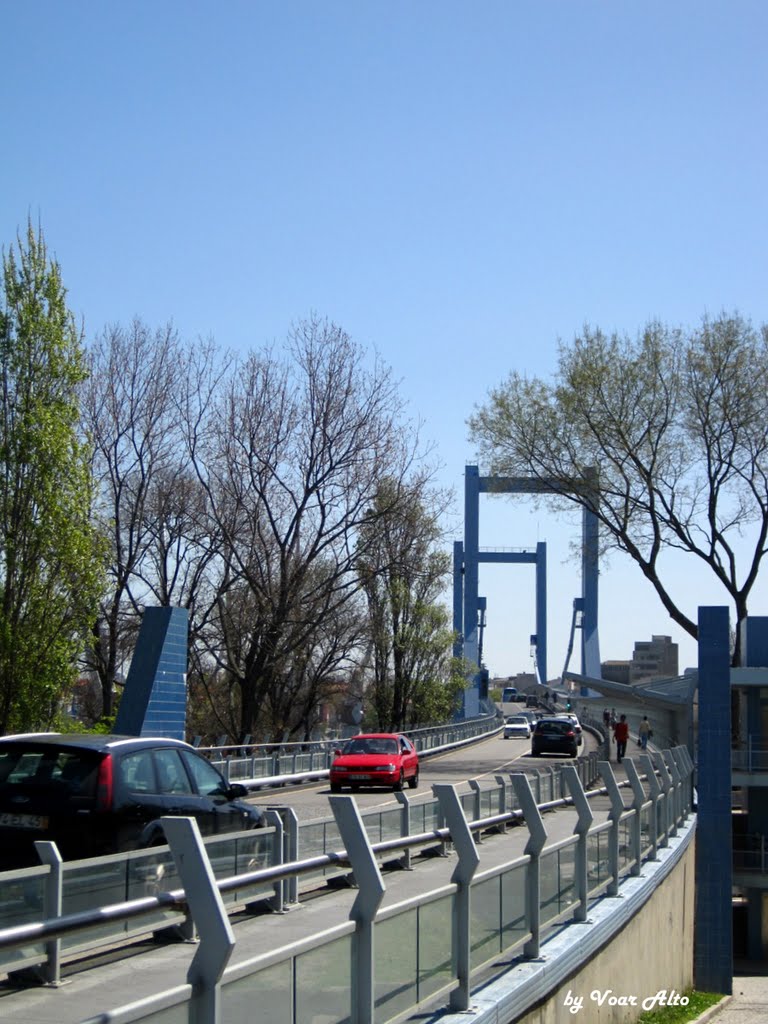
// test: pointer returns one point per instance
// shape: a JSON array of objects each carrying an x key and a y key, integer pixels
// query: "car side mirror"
[
  {"x": 337, "y": 752},
  {"x": 236, "y": 791}
]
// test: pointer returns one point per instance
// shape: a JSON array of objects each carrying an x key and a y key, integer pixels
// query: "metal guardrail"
[
  {"x": 66, "y": 887},
  {"x": 257, "y": 765},
  {"x": 520, "y": 902}
]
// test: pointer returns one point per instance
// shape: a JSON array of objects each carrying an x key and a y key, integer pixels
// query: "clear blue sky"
[{"x": 458, "y": 185}]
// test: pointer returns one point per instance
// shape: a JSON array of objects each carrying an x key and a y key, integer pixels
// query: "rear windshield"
[
  {"x": 562, "y": 727},
  {"x": 53, "y": 771}
]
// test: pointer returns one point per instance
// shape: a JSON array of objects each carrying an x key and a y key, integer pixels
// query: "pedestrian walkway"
[{"x": 749, "y": 1002}]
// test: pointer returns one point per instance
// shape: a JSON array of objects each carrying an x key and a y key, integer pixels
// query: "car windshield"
[{"x": 371, "y": 745}]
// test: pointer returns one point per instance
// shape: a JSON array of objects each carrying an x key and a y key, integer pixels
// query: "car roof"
[
  {"x": 92, "y": 741},
  {"x": 375, "y": 735}
]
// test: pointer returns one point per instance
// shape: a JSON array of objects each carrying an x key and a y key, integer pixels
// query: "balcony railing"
[{"x": 751, "y": 757}]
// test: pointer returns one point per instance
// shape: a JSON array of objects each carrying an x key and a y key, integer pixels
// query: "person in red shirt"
[{"x": 621, "y": 735}]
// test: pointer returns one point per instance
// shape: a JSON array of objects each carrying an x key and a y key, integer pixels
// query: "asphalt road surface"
[{"x": 480, "y": 761}]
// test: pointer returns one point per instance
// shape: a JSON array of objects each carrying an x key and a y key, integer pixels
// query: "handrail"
[{"x": 668, "y": 808}]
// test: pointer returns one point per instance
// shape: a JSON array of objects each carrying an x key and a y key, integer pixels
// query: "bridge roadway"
[{"x": 118, "y": 978}]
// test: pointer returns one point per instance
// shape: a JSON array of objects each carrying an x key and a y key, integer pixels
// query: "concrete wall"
[{"x": 653, "y": 952}]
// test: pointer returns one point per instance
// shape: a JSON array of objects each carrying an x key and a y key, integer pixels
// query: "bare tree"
[
  {"x": 289, "y": 449},
  {"x": 672, "y": 427},
  {"x": 129, "y": 408}
]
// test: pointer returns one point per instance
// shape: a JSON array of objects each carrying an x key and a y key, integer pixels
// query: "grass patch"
[{"x": 698, "y": 1002}]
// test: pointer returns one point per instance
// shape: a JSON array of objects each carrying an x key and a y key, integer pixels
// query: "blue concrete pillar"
[
  {"x": 541, "y": 611},
  {"x": 154, "y": 701},
  {"x": 714, "y": 916},
  {"x": 471, "y": 582},
  {"x": 458, "y": 598},
  {"x": 590, "y": 551}
]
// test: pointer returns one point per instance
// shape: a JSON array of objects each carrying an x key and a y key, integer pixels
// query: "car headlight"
[{"x": 385, "y": 768}]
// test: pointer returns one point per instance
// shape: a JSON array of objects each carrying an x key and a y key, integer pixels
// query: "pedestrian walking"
[
  {"x": 644, "y": 732},
  {"x": 621, "y": 735}
]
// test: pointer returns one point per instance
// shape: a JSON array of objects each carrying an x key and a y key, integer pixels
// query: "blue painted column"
[
  {"x": 541, "y": 611},
  {"x": 458, "y": 598},
  {"x": 713, "y": 961},
  {"x": 590, "y": 550},
  {"x": 471, "y": 584},
  {"x": 154, "y": 701}
]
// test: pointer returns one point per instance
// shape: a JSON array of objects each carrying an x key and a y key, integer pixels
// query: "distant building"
[
  {"x": 524, "y": 681},
  {"x": 656, "y": 658},
  {"x": 616, "y": 671}
]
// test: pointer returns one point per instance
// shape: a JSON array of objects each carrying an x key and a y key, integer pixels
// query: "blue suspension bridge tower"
[{"x": 469, "y": 607}]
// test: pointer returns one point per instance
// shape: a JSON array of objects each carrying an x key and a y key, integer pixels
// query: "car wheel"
[
  {"x": 414, "y": 781},
  {"x": 399, "y": 784},
  {"x": 335, "y": 787}
]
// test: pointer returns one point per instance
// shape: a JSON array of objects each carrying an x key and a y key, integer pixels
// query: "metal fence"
[
  {"x": 63, "y": 888},
  {"x": 264, "y": 764},
  {"x": 429, "y": 947}
]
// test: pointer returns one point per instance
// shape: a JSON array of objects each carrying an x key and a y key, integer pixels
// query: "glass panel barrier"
[
  {"x": 265, "y": 997},
  {"x": 324, "y": 983},
  {"x": 486, "y": 921},
  {"x": 397, "y": 966},
  {"x": 549, "y": 887},
  {"x": 22, "y": 899},
  {"x": 513, "y": 905},
  {"x": 598, "y": 869},
  {"x": 435, "y": 921}
]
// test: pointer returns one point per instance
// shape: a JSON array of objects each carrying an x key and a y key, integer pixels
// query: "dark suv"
[
  {"x": 554, "y": 736},
  {"x": 93, "y": 795}
]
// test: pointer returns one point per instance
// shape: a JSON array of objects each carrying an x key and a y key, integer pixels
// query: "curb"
[{"x": 712, "y": 1011}]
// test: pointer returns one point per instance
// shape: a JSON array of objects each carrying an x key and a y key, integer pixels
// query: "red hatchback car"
[{"x": 375, "y": 759}]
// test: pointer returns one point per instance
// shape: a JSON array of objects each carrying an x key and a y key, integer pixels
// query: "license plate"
[
  {"x": 359, "y": 778},
  {"x": 37, "y": 821}
]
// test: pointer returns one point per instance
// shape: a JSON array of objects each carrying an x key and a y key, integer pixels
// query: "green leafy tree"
[
  {"x": 663, "y": 436},
  {"x": 403, "y": 573},
  {"x": 49, "y": 556}
]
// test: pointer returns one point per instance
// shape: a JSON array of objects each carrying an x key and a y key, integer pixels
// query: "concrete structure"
[
  {"x": 749, "y": 795},
  {"x": 154, "y": 701}
]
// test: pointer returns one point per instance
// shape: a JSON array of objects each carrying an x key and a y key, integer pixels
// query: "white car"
[
  {"x": 517, "y": 725},
  {"x": 576, "y": 725}
]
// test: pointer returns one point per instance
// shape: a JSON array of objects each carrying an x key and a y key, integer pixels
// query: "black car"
[
  {"x": 95, "y": 795},
  {"x": 554, "y": 736}
]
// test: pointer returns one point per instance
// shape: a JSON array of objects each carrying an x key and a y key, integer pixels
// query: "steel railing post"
[
  {"x": 274, "y": 819},
  {"x": 52, "y": 904},
  {"x": 474, "y": 785},
  {"x": 209, "y": 914},
  {"x": 370, "y": 893},
  {"x": 666, "y": 785},
  {"x": 583, "y": 823},
  {"x": 677, "y": 793},
  {"x": 501, "y": 782},
  {"x": 537, "y": 838},
  {"x": 405, "y": 827},
  {"x": 614, "y": 816},
  {"x": 655, "y": 795},
  {"x": 638, "y": 799},
  {"x": 468, "y": 859}
]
